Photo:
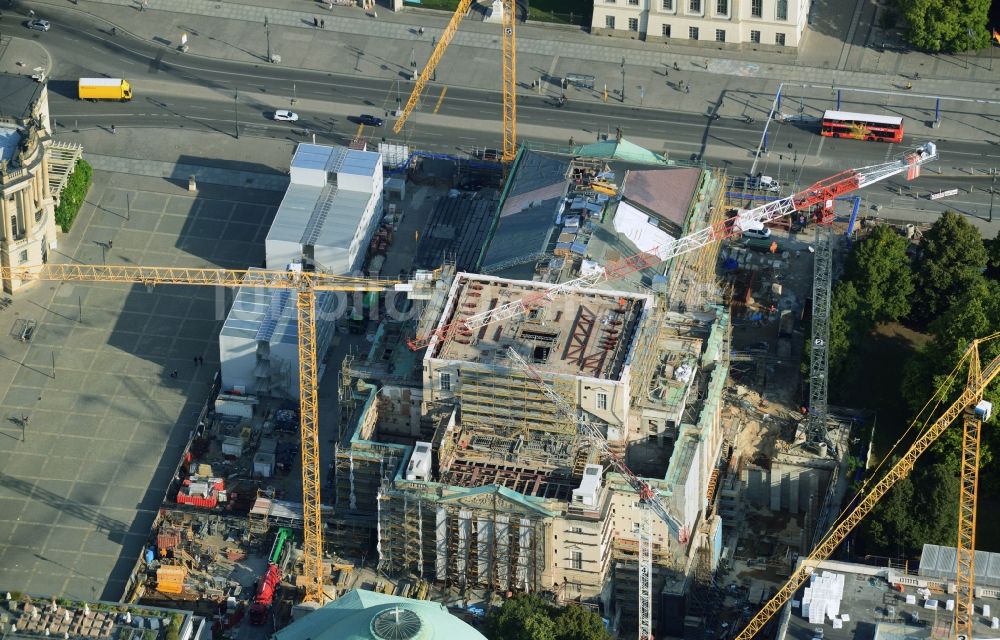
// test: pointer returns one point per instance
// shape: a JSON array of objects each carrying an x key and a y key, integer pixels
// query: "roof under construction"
[{"x": 583, "y": 332}]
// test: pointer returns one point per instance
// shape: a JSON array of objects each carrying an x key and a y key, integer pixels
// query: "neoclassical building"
[{"x": 33, "y": 171}]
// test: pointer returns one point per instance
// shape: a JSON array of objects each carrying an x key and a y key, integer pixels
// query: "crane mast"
[
  {"x": 846, "y": 523},
  {"x": 306, "y": 284},
  {"x": 818, "y": 193}
]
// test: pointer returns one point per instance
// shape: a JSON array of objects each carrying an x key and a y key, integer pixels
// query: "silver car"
[{"x": 38, "y": 25}]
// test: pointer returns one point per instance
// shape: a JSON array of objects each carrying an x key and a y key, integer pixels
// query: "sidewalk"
[{"x": 353, "y": 43}]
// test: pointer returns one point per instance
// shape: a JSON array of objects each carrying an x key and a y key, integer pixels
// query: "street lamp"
[
  {"x": 236, "y": 108},
  {"x": 968, "y": 45},
  {"x": 623, "y": 79},
  {"x": 642, "y": 94},
  {"x": 267, "y": 36}
]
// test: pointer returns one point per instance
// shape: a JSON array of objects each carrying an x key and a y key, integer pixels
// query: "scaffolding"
[
  {"x": 481, "y": 543},
  {"x": 822, "y": 282}
]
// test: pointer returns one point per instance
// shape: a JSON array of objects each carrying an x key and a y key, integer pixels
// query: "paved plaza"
[{"x": 80, "y": 483}]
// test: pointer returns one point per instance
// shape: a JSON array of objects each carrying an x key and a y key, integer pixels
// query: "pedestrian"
[
  {"x": 706, "y": 63},
  {"x": 322, "y": 24},
  {"x": 173, "y": 374},
  {"x": 676, "y": 68},
  {"x": 113, "y": 130},
  {"x": 375, "y": 14},
  {"x": 687, "y": 88},
  {"x": 201, "y": 360},
  {"x": 111, "y": 244},
  {"x": 25, "y": 420},
  {"x": 666, "y": 74},
  {"x": 420, "y": 31},
  {"x": 315, "y": 21},
  {"x": 196, "y": 361}
]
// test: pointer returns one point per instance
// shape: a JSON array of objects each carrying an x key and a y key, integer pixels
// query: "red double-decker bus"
[{"x": 862, "y": 126}]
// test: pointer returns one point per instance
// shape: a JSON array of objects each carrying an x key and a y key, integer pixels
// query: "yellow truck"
[{"x": 105, "y": 89}]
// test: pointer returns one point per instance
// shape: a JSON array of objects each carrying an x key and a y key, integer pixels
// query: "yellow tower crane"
[
  {"x": 967, "y": 403},
  {"x": 509, "y": 55},
  {"x": 305, "y": 284}
]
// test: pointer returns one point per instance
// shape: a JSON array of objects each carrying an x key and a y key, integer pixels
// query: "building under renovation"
[{"x": 464, "y": 471}]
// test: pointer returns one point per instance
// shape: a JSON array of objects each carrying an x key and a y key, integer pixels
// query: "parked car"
[
  {"x": 284, "y": 115},
  {"x": 758, "y": 183},
  {"x": 370, "y": 120},
  {"x": 757, "y": 233},
  {"x": 38, "y": 25}
]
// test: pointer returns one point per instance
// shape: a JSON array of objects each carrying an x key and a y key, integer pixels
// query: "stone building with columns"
[{"x": 33, "y": 170}]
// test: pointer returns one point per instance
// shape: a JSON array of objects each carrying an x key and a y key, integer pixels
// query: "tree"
[
  {"x": 880, "y": 269},
  {"x": 846, "y": 327},
  {"x": 577, "y": 623},
  {"x": 945, "y": 25},
  {"x": 528, "y": 617},
  {"x": 951, "y": 260}
]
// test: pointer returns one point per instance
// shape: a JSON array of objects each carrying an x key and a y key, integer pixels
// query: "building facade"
[
  {"x": 33, "y": 170},
  {"x": 762, "y": 24}
]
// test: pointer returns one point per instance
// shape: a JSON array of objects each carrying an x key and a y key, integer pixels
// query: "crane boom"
[
  {"x": 826, "y": 189},
  {"x": 432, "y": 63},
  {"x": 306, "y": 284},
  {"x": 646, "y": 493},
  {"x": 261, "y": 279},
  {"x": 898, "y": 471}
]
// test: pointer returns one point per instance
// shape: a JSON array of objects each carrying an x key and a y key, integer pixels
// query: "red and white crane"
[{"x": 822, "y": 192}]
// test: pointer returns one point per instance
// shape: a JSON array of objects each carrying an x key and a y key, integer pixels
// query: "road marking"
[
  {"x": 444, "y": 90},
  {"x": 361, "y": 128}
]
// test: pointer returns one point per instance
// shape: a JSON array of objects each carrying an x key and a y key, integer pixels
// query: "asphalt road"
[{"x": 174, "y": 90}]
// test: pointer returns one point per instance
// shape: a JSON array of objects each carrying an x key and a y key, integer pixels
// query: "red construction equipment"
[{"x": 265, "y": 594}]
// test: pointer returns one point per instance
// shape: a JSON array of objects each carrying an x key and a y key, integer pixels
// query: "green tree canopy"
[
  {"x": 880, "y": 269},
  {"x": 951, "y": 260},
  {"x": 528, "y": 617},
  {"x": 945, "y": 25}
]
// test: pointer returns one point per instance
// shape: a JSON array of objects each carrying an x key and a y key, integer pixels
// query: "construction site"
[
  {"x": 585, "y": 383},
  {"x": 611, "y": 414}
]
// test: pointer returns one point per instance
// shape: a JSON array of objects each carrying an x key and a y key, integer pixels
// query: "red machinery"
[{"x": 265, "y": 594}]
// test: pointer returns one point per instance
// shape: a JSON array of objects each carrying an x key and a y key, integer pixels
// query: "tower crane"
[
  {"x": 820, "y": 192},
  {"x": 648, "y": 496},
  {"x": 968, "y": 402},
  {"x": 509, "y": 59},
  {"x": 305, "y": 284}
]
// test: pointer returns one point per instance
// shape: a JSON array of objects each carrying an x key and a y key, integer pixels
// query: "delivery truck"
[{"x": 105, "y": 89}]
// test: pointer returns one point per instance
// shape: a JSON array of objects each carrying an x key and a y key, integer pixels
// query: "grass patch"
[
  {"x": 875, "y": 384},
  {"x": 74, "y": 194}
]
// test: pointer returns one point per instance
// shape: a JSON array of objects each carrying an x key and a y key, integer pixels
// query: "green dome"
[{"x": 366, "y": 615}]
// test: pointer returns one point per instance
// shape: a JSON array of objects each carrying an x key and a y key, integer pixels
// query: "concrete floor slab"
[{"x": 180, "y": 205}]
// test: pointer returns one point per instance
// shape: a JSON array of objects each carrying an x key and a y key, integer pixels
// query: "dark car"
[{"x": 370, "y": 120}]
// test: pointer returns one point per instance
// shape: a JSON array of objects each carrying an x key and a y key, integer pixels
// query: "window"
[
  {"x": 693, "y": 33},
  {"x": 444, "y": 381},
  {"x": 609, "y": 22},
  {"x": 633, "y": 24},
  {"x": 576, "y": 530},
  {"x": 602, "y": 400},
  {"x": 779, "y": 39},
  {"x": 756, "y": 8},
  {"x": 694, "y": 6},
  {"x": 667, "y": 5},
  {"x": 665, "y": 29},
  {"x": 781, "y": 10},
  {"x": 24, "y": 256},
  {"x": 13, "y": 225},
  {"x": 576, "y": 560},
  {"x": 755, "y": 37},
  {"x": 720, "y": 35},
  {"x": 722, "y": 7},
  {"x": 634, "y": 3}
]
